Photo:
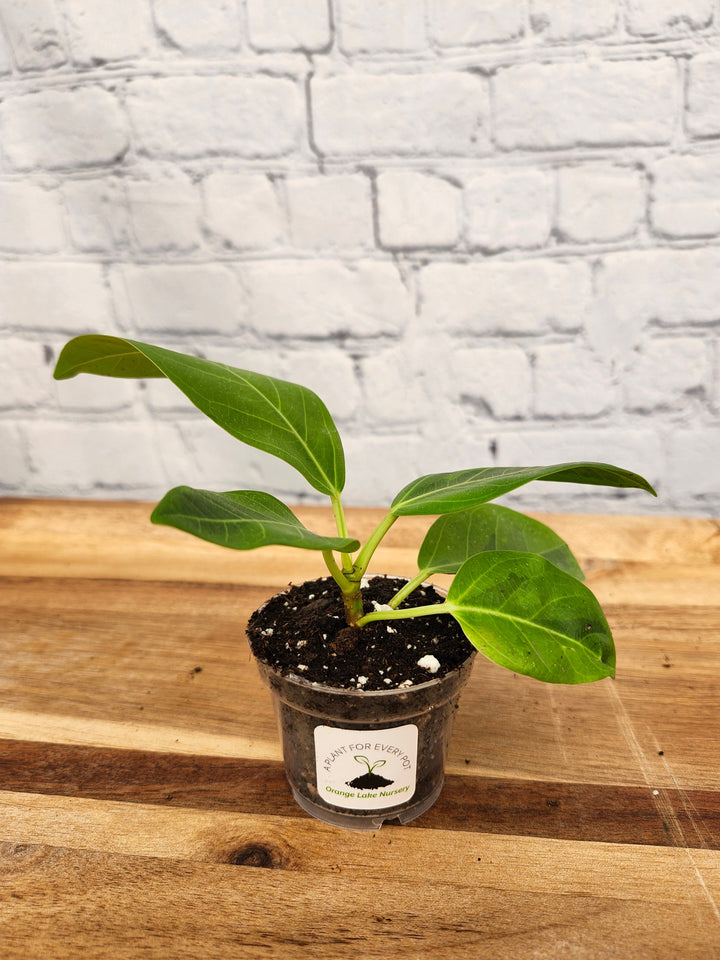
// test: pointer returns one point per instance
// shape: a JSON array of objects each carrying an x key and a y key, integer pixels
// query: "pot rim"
[{"x": 364, "y": 695}]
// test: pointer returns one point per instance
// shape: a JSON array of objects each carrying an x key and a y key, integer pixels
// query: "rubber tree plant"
[{"x": 516, "y": 589}]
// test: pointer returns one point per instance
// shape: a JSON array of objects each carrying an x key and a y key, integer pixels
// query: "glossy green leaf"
[
  {"x": 281, "y": 418},
  {"x": 456, "y": 537},
  {"x": 449, "y": 492},
  {"x": 525, "y": 614},
  {"x": 241, "y": 519}
]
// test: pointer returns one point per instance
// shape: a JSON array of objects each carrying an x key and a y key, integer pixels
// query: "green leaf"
[
  {"x": 525, "y": 614},
  {"x": 241, "y": 519},
  {"x": 281, "y": 418},
  {"x": 456, "y": 537},
  {"x": 449, "y": 492}
]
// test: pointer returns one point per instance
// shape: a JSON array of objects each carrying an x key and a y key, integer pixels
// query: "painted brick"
[
  {"x": 666, "y": 287},
  {"x": 671, "y": 287},
  {"x": 369, "y": 26},
  {"x": 455, "y": 23},
  {"x": 84, "y": 455},
  {"x": 220, "y": 462},
  {"x": 284, "y": 275},
  {"x": 665, "y": 372},
  {"x": 97, "y": 213},
  {"x": 405, "y": 114},
  {"x": 34, "y": 32},
  {"x": 54, "y": 296},
  {"x": 323, "y": 298},
  {"x": 571, "y": 382},
  {"x": 510, "y": 208},
  {"x": 165, "y": 213},
  {"x": 395, "y": 383},
  {"x": 599, "y": 202},
  {"x": 62, "y": 128},
  {"x": 25, "y": 380},
  {"x": 591, "y": 103},
  {"x": 244, "y": 210},
  {"x": 102, "y": 32},
  {"x": 200, "y": 116},
  {"x": 163, "y": 397},
  {"x": 570, "y": 20},
  {"x": 332, "y": 211},
  {"x": 648, "y": 17},
  {"x": 5, "y": 57},
  {"x": 380, "y": 466},
  {"x": 288, "y": 24},
  {"x": 14, "y": 464},
  {"x": 329, "y": 372},
  {"x": 496, "y": 380},
  {"x": 686, "y": 196},
  {"x": 703, "y": 97},
  {"x": 417, "y": 210},
  {"x": 693, "y": 453},
  {"x": 197, "y": 26},
  {"x": 185, "y": 298},
  {"x": 30, "y": 218},
  {"x": 93, "y": 394},
  {"x": 530, "y": 296}
]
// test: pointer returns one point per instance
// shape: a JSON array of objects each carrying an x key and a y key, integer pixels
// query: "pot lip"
[{"x": 367, "y": 695}]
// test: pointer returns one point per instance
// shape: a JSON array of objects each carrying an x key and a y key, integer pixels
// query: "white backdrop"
[{"x": 485, "y": 232}]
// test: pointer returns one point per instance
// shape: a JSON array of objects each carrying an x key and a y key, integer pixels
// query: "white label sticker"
[{"x": 366, "y": 769}]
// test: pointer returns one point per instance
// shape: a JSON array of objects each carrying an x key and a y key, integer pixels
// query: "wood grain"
[
  {"x": 484, "y": 898},
  {"x": 144, "y": 809},
  {"x": 555, "y": 810}
]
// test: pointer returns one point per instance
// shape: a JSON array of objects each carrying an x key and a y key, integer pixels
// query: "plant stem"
[
  {"x": 353, "y": 604},
  {"x": 351, "y": 590},
  {"x": 407, "y": 589},
  {"x": 342, "y": 530},
  {"x": 373, "y": 541},
  {"x": 406, "y": 613},
  {"x": 335, "y": 571}
]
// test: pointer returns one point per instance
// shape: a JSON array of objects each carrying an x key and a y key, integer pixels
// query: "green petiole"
[{"x": 405, "y": 614}]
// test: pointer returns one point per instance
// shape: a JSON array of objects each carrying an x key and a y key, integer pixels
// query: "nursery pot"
[{"x": 357, "y": 758}]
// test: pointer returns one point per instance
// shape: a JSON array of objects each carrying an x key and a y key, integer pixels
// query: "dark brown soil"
[{"x": 303, "y": 632}]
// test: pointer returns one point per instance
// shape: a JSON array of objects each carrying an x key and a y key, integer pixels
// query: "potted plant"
[{"x": 366, "y": 672}]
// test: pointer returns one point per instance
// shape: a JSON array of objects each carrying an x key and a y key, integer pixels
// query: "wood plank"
[
  {"x": 650, "y": 559},
  {"x": 135, "y": 648},
  {"x": 144, "y": 809},
  {"x": 485, "y": 897},
  {"x": 605, "y": 813},
  {"x": 30, "y": 526},
  {"x": 305, "y": 845}
]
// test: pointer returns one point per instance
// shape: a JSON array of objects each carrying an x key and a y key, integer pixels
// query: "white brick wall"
[{"x": 485, "y": 231}]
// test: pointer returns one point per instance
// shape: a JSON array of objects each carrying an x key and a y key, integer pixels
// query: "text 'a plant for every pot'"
[{"x": 366, "y": 673}]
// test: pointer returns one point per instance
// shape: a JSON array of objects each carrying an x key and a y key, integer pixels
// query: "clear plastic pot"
[{"x": 356, "y": 759}]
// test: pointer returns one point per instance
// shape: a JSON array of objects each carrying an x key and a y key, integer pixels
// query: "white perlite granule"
[
  {"x": 429, "y": 662},
  {"x": 385, "y": 607}
]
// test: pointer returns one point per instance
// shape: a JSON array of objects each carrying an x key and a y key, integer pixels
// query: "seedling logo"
[
  {"x": 347, "y": 765},
  {"x": 369, "y": 780}
]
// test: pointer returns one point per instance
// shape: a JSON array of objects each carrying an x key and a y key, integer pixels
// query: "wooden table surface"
[{"x": 144, "y": 810}]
